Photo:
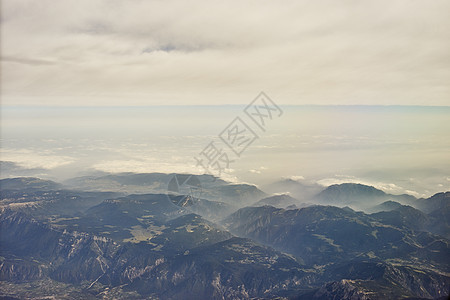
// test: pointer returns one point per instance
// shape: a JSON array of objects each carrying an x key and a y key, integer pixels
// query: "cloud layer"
[{"x": 94, "y": 52}]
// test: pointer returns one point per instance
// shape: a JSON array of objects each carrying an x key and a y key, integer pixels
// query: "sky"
[{"x": 139, "y": 53}]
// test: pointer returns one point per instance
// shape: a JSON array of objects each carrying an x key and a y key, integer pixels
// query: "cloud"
[
  {"x": 144, "y": 166},
  {"x": 414, "y": 193},
  {"x": 255, "y": 171},
  {"x": 27, "y": 61},
  {"x": 100, "y": 52},
  {"x": 296, "y": 178},
  {"x": 258, "y": 170},
  {"x": 10, "y": 169},
  {"x": 28, "y": 159}
]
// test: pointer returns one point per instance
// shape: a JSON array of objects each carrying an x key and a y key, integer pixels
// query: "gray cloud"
[
  {"x": 201, "y": 52},
  {"x": 27, "y": 61}
]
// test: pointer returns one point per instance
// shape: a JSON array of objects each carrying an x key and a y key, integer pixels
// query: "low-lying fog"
[{"x": 397, "y": 149}]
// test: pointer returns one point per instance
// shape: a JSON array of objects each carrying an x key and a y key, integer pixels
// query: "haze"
[{"x": 397, "y": 149}]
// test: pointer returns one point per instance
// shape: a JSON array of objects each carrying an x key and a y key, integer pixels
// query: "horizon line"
[{"x": 222, "y": 105}]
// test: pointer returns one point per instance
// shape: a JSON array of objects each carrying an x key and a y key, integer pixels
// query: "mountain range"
[{"x": 131, "y": 236}]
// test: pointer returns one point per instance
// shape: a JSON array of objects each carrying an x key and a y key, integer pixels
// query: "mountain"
[
  {"x": 9, "y": 169},
  {"x": 135, "y": 182},
  {"x": 330, "y": 238},
  {"x": 75, "y": 244},
  {"x": 436, "y": 202},
  {"x": 404, "y": 217},
  {"x": 185, "y": 233},
  {"x": 206, "y": 186},
  {"x": 238, "y": 194},
  {"x": 299, "y": 190},
  {"x": 48, "y": 204},
  {"x": 280, "y": 201},
  {"x": 440, "y": 221},
  {"x": 385, "y": 206},
  {"x": 212, "y": 210},
  {"x": 320, "y": 235},
  {"x": 378, "y": 280},
  {"x": 28, "y": 183},
  {"x": 359, "y": 196},
  {"x": 231, "y": 268}
]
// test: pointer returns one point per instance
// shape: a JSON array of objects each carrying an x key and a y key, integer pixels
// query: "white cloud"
[
  {"x": 142, "y": 166},
  {"x": 28, "y": 159},
  {"x": 150, "y": 166},
  {"x": 414, "y": 193},
  {"x": 255, "y": 171},
  {"x": 258, "y": 170}
]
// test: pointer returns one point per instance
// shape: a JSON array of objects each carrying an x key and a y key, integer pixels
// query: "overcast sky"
[{"x": 92, "y": 52}]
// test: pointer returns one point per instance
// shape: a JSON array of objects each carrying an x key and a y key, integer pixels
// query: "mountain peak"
[{"x": 20, "y": 183}]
